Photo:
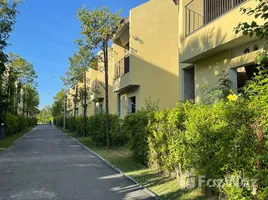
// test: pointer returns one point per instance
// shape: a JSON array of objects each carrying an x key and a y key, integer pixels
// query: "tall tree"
[
  {"x": 80, "y": 62},
  {"x": 30, "y": 100},
  {"x": 45, "y": 115},
  {"x": 98, "y": 27},
  {"x": 23, "y": 73},
  {"x": 58, "y": 104},
  {"x": 8, "y": 12}
]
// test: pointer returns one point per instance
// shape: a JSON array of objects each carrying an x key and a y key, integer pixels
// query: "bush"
[
  {"x": 166, "y": 139},
  {"x": 70, "y": 124},
  {"x": 97, "y": 129},
  {"x": 135, "y": 126},
  {"x": 221, "y": 140},
  {"x": 11, "y": 124},
  {"x": 79, "y": 126},
  {"x": 15, "y": 124},
  {"x": 58, "y": 121}
]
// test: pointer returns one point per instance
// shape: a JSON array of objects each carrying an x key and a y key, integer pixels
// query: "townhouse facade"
[
  {"x": 209, "y": 46},
  {"x": 169, "y": 51},
  {"x": 95, "y": 102},
  {"x": 146, "y": 57}
]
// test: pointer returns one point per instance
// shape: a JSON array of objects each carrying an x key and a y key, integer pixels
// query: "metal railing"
[
  {"x": 122, "y": 67},
  {"x": 198, "y": 13}
]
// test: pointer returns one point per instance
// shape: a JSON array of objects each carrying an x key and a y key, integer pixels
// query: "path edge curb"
[{"x": 116, "y": 169}]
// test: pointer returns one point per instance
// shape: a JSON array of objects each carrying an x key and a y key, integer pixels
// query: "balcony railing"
[
  {"x": 122, "y": 67},
  {"x": 198, "y": 13}
]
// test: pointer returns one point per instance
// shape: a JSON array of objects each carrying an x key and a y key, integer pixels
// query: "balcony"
[
  {"x": 96, "y": 91},
  {"x": 124, "y": 79},
  {"x": 122, "y": 67},
  {"x": 209, "y": 28},
  {"x": 199, "y": 13}
]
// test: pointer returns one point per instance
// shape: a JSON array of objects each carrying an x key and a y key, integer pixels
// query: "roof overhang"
[{"x": 123, "y": 28}]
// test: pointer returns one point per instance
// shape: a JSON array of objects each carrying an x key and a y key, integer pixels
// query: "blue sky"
[{"x": 45, "y": 32}]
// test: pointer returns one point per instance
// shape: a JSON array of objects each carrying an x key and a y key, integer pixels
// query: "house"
[
  {"x": 169, "y": 51},
  {"x": 146, "y": 57},
  {"x": 209, "y": 47}
]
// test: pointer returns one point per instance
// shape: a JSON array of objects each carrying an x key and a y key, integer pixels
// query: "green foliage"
[
  {"x": 15, "y": 124},
  {"x": 57, "y": 108},
  {"x": 135, "y": 127},
  {"x": 220, "y": 139},
  {"x": 79, "y": 126},
  {"x": 253, "y": 28},
  {"x": 97, "y": 126},
  {"x": 70, "y": 124},
  {"x": 217, "y": 92},
  {"x": 11, "y": 124},
  {"x": 234, "y": 192},
  {"x": 98, "y": 28},
  {"x": 22, "y": 70},
  {"x": 45, "y": 115},
  {"x": 98, "y": 25},
  {"x": 166, "y": 141},
  {"x": 8, "y": 14}
]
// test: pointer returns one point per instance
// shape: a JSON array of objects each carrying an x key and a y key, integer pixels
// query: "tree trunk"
[
  {"x": 17, "y": 98},
  {"x": 23, "y": 103},
  {"x": 10, "y": 93},
  {"x": 105, "y": 47},
  {"x": 85, "y": 101},
  {"x": 75, "y": 101}
]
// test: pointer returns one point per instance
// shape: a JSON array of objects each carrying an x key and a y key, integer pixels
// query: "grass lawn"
[
  {"x": 160, "y": 184},
  {"x": 9, "y": 140}
]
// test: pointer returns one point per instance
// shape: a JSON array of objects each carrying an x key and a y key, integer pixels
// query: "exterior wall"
[
  {"x": 216, "y": 36},
  {"x": 153, "y": 48},
  {"x": 91, "y": 76},
  {"x": 101, "y": 81},
  {"x": 207, "y": 71},
  {"x": 124, "y": 101},
  {"x": 215, "y": 48}
]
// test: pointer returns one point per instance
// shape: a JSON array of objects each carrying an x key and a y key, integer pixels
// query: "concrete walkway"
[{"x": 47, "y": 164}]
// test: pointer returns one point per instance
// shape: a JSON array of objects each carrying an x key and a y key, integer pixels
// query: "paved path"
[{"x": 47, "y": 164}]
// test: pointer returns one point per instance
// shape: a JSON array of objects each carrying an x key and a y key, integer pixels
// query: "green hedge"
[
  {"x": 95, "y": 127},
  {"x": 135, "y": 126},
  {"x": 228, "y": 137},
  {"x": 15, "y": 124}
]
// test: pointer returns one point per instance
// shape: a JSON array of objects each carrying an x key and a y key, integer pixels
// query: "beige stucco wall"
[
  {"x": 207, "y": 71},
  {"x": 214, "y": 37},
  {"x": 124, "y": 101},
  {"x": 153, "y": 40},
  {"x": 215, "y": 47}
]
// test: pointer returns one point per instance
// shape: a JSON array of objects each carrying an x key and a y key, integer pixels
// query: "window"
[
  {"x": 201, "y": 12},
  {"x": 95, "y": 108},
  {"x": 132, "y": 104},
  {"x": 100, "y": 107},
  {"x": 118, "y": 105},
  {"x": 189, "y": 84},
  {"x": 239, "y": 76},
  {"x": 244, "y": 74}
]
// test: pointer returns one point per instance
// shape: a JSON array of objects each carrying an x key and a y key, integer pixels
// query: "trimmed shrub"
[
  {"x": 97, "y": 129},
  {"x": 166, "y": 139},
  {"x": 15, "y": 124},
  {"x": 219, "y": 139},
  {"x": 11, "y": 124},
  {"x": 70, "y": 124},
  {"x": 135, "y": 126}
]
